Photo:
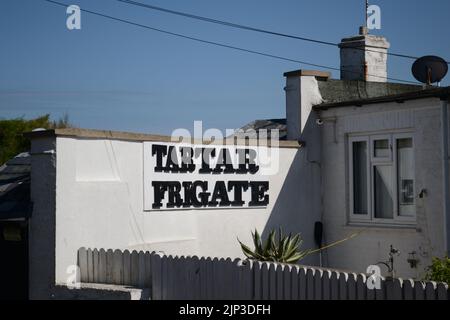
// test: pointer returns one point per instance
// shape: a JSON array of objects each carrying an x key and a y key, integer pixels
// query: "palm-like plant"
[{"x": 285, "y": 250}]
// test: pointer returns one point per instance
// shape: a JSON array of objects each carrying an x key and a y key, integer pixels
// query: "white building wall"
[
  {"x": 99, "y": 204},
  {"x": 427, "y": 238}
]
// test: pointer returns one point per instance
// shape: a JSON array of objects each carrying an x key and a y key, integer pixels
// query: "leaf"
[
  {"x": 249, "y": 253},
  {"x": 257, "y": 242}
]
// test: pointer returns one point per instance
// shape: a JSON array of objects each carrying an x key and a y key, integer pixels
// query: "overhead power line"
[
  {"x": 218, "y": 43},
  {"x": 248, "y": 28}
]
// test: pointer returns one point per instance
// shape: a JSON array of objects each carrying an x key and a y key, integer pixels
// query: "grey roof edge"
[
  {"x": 441, "y": 93},
  {"x": 324, "y": 75},
  {"x": 141, "y": 137}
]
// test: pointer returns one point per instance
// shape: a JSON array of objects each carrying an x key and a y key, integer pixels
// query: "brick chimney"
[{"x": 364, "y": 57}]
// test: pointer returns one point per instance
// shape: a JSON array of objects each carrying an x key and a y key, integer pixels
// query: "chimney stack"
[{"x": 364, "y": 57}]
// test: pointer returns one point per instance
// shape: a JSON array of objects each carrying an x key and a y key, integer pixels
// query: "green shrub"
[
  {"x": 12, "y": 142},
  {"x": 276, "y": 249},
  {"x": 284, "y": 249},
  {"x": 439, "y": 270}
]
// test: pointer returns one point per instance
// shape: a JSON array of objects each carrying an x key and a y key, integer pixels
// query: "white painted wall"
[
  {"x": 427, "y": 237},
  {"x": 99, "y": 204},
  {"x": 302, "y": 93}
]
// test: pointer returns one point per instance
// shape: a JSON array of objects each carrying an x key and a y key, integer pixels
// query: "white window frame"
[
  {"x": 407, "y": 219},
  {"x": 380, "y": 160},
  {"x": 372, "y": 162},
  {"x": 355, "y": 216}
]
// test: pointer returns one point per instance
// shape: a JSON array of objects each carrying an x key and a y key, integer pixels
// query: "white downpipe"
[{"x": 445, "y": 171}]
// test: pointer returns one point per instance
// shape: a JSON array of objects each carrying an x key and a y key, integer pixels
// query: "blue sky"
[{"x": 110, "y": 75}]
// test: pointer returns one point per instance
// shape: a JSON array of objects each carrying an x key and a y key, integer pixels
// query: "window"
[{"x": 382, "y": 178}]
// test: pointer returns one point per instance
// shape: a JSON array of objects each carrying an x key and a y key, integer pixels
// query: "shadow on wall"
[{"x": 298, "y": 205}]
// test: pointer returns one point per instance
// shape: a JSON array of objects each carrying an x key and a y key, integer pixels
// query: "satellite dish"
[{"x": 429, "y": 69}]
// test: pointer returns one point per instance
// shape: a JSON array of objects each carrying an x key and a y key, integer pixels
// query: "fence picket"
[
  {"x": 216, "y": 276},
  {"x": 419, "y": 290},
  {"x": 302, "y": 294},
  {"x": 209, "y": 278},
  {"x": 265, "y": 293},
  {"x": 117, "y": 268},
  {"x": 90, "y": 266},
  {"x": 351, "y": 286},
  {"x": 102, "y": 266},
  {"x": 294, "y": 274},
  {"x": 95, "y": 260},
  {"x": 279, "y": 282},
  {"x": 109, "y": 266},
  {"x": 287, "y": 284},
  {"x": 134, "y": 263},
  {"x": 408, "y": 289},
  {"x": 442, "y": 290},
  {"x": 127, "y": 268},
  {"x": 257, "y": 280},
  {"x": 361, "y": 287},
  {"x": 326, "y": 288},
  {"x": 310, "y": 284},
  {"x": 82, "y": 263},
  {"x": 334, "y": 285},
  {"x": 141, "y": 269},
  {"x": 343, "y": 277},
  {"x": 430, "y": 290},
  {"x": 272, "y": 281},
  {"x": 247, "y": 280},
  {"x": 318, "y": 295},
  {"x": 148, "y": 270},
  {"x": 181, "y": 278},
  {"x": 156, "y": 277}
]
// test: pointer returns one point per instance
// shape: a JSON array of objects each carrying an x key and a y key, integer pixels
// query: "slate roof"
[
  {"x": 252, "y": 129},
  {"x": 15, "y": 188},
  {"x": 441, "y": 93}
]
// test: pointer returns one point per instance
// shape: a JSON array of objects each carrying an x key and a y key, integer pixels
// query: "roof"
[
  {"x": 140, "y": 137},
  {"x": 129, "y": 136},
  {"x": 334, "y": 91},
  {"x": 15, "y": 188},
  {"x": 252, "y": 129},
  {"x": 441, "y": 93}
]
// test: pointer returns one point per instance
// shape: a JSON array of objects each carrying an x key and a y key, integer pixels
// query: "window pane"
[
  {"x": 405, "y": 178},
  {"x": 360, "y": 177},
  {"x": 381, "y": 148},
  {"x": 383, "y": 192}
]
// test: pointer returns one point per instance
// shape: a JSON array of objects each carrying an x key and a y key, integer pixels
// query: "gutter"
[{"x": 445, "y": 171}]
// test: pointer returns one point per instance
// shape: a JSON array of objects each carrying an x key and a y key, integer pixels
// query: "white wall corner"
[
  {"x": 310, "y": 96},
  {"x": 302, "y": 93}
]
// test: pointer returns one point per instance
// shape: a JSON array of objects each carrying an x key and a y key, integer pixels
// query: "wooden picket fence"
[{"x": 212, "y": 278}]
